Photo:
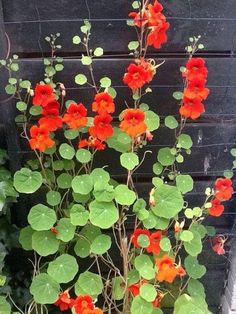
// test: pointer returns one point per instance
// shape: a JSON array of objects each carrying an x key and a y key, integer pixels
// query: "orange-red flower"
[
  {"x": 167, "y": 270},
  {"x": 140, "y": 18},
  {"x": 195, "y": 68},
  {"x": 136, "y": 234},
  {"x": 157, "y": 301},
  {"x": 95, "y": 311},
  {"x": 103, "y": 103},
  {"x": 54, "y": 230},
  {"x": 101, "y": 128},
  {"x": 155, "y": 17},
  {"x": 64, "y": 301},
  {"x": 92, "y": 142},
  {"x": 135, "y": 288},
  {"x": 196, "y": 89},
  {"x": 83, "y": 302},
  {"x": 191, "y": 108},
  {"x": 154, "y": 246},
  {"x": 51, "y": 119},
  {"x": 223, "y": 189},
  {"x": 75, "y": 116},
  {"x": 158, "y": 36},
  {"x": 137, "y": 75},
  {"x": 216, "y": 208},
  {"x": 133, "y": 122},
  {"x": 43, "y": 94},
  {"x": 40, "y": 138}
]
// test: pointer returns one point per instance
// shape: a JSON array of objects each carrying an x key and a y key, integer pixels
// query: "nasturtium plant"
[{"x": 95, "y": 233}]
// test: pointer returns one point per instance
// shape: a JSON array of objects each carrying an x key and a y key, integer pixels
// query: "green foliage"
[
  {"x": 82, "y": 184},
  {"x": 44, "y": 243},
  {"x": 63, "y": 269},
  {"x": 65, "y": 230},
  {"x": 140, "y": 306},
  {"x": 152, "y": 120},
  {"x": 27, "y": 181},
  {"x": 66, "y": 151},
  {"x": 184, "y": 183},
  {"x": 129, "y": 160},
  {"x": 124, "y": 196},
  {"x": 89, "y": 283},
  {"x": 41, "y": 217},
  {"x": 83, "y": 155},
  {"x": 101, "y": 244},
  {"x": 103, "y": 214},
  {"x": 193, "y": 268},
  {"x": 165, "y": 157},
  {"x": 79, "y": 215},
  {"x": 171, "y": 122}
]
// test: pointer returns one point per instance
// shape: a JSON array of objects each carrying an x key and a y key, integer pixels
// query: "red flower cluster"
[
  {"x": 139, "y": 74},
  {"x": 82, "y": 304},
  {"x": 101, "y": 129},
  {"x": 154, "y": 20},
  {"x": 50, "y": 120},
  {"x": 195, "y": 91},
  {"x": 133, "y": 122},
  {"x": 223, "y": 192},
  {"x": 154, "y": 240}
]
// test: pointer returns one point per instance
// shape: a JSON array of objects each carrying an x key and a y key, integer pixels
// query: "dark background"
[{"x": 27, "y": 22}]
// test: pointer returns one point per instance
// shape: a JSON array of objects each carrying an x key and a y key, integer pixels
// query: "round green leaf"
[
  {"x": 83, "y": 155},
  {"x": 178, "y": 95},
  {"x": 103, "y": 214},
  {"x": 44, "y": 289},
  {"x": 66, "y": 151},
  {"x": 186, "y": 236},
  {"x": 4, "y": 306},
  {"x": 105, "y": 82},
  {"x": 129, "y": 160},
  {"x": 139, "y": 205},
  {"x": 66, "y": 230},
  {"x": 44, "y": 243},
  {"x": 90, "y": 283},
  {"x": 118, "y": 290},
  {"x": 184, "y": 183},
  {"x": 71, "y": 134},
  {"x": 157, "y": 168},
  {"x": 25, "y": 238},
  {"x": 161, "y": 223},
  {"x": 53, "y": 198},
  {"x": 133, "y": 45},
  {"x": 86, "y": 60},
  {"x": 99, "y": 174},
  {"x": 150, "y": 222},
  {"x": 196, "y": 288},
  {"x": 165, "y": 244},
  {"x": 35, "y": 110},
  {"x": 21, "y": 105},
  {"x": 76, "y": 40},
  {"x": 193, "y": 268},
  {"x": 41, "y": 217},
  {"x": 80, "y": 79},
  {"x": 64, "y": 181},
  {"x": 165, "y": 157},
  {"x": 82, "y": 184},
  {"x": 233, "y": 152},
  {"x": 185, "y": 141},
  {"x": 142, "y": 261},
  {"x": 143, "y": 240},
  {"x": 27, "y": 181},
  {"x": 152, "y": 120},
  {"x": 101, "y": 244},
  {"x": 148, "y": 292},
  {"x": 63, "y": 269},
  {"x": 82, "y": 248},
  {"x": 169, "y": 201},
  {"x": 90, "y": 232},
  {"x": 194, "y": 247},
  {"x": 103, "y": 192},
  {"x": 98, "y": 52},
  {"x": 78, "y": 215},
  {"x": 171, "y": 122},
  {"x": 124, "y": 196},
  {"x": 140, "y": 306}
]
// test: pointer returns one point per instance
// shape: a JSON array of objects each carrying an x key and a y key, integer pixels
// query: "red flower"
[
  {"x": 216, "y": 208},
  {"x": 133, "y": 122},
  {"x": 223, "y": 188},
  {"x": 196, "y": 89},
  {"x": 64, "y": 301},
  {"x": 83, "y": 302},
  {"x": 135, "y": 288},
  {"x": 137, "y": 75},
  {"x": 155, "y": 17},
  {"x": 54, "y": 230},
  {"x": 140, "y": 19},
  {"x": 43, "y": 94},
  {"x": 167, "y": 270},
  {"x": 103, "y": 103},
  {"x": 51, "y": 119},
  {"x": 75, "y": 116},
  {"x": 157, "y": 301},
  {"x": 40, "y": 138},
  {"x": 191, "y": 108},
  {"x": 101, "y": 128},
  {"x": 92, "y": 142},
  {"x": 218, "y": 245},
  {"x": 158, "y": 36},
  {"x": 136, "y": 234},
  {"x": 154, "y": 246},
  {"x": 195, "y": 68}
]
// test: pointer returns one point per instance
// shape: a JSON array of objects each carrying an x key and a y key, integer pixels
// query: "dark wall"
[{"x": 27, "y": 22}]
